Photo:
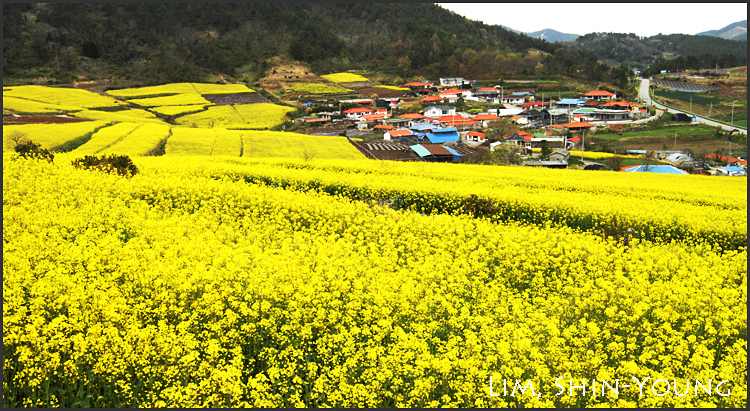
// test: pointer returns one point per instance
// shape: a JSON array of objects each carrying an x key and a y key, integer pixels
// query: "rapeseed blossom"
[{"x": 189, "y": 286}]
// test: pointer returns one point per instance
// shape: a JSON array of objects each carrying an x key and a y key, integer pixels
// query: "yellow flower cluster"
[
  {"x": 238, "y": 116},
  {"x": 131, "y": 139},
  {"x": 175, "y": 100},
  {"x": 202, "y": 142},
  {"x": 50, "y": 136},
  {"x": 660, "y": 208},
  {"x": 345, "y": 78},
  {"x": 60, "y": 96},
  {"x": 134, "y": 115},
  {"x": 181, "y": 88},
  {"x": 276, "y": 144},
  {"x": 25, "y": 106},
  {"x": 395, "y": 88},
  {"x": 176, "y": 288},
  {"x": 179, "y": 110},
  {"x": 315, "y": 88}
]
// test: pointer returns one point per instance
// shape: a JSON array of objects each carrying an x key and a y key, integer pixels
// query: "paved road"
[{"x": 644, "y": 95}]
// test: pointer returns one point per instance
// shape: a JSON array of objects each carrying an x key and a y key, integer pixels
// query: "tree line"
[{"x": 154, "y": 43}]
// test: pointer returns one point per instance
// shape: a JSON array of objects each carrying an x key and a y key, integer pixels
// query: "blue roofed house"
[
  {"x": 456, "y": 155},
  {"x": 443, "y": 135},
  {"x": 421, "y": 130},
  {"x": 516, "y": 98},
  {"x": 570, "y": 103},
  {"x": 653, "y": 169}
]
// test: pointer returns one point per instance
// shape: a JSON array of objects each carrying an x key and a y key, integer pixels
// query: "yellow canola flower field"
[
  {"x": 104, "y": 138},
  {"x": 51, "y": 136},
  {"x": 267, "y": 144},
  {"x": 181, "y": 88},
  {"x": 394, "y": 88},
  {"x": 660, "y": 208},
  {"x": 177, "y": 289},
  {"x": 141, "y": 141},
  {"x": 25, "y": 106},
  {"x": 60, "y": 96},
  {"x": 179, "y": 110},
  {"x": 313, "y": 88},
  {"x": 133, "y": 115},
  {"x": 176, "y": 100},
  {"x": 238, "y": 116},
  {"x": 345, "y": 78},
  {"x": 203, "y": 142}
]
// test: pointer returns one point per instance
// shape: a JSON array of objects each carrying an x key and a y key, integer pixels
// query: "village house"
[
  {"x": 356, "y": 112},
  {"x": 438, "y": 111},
  {"x": 396, "y": 122},
  {"x": 484, "y": 119},
  {"x": 421, "y": 130},
  {"x": 459, "y": 82},
  {"x": 610, "y": 115},
  {"x": 398, "y": 133},
  {"x": 476, "y": 136},
  {"x": 570, "y": 104},
  {"x": 443, "y": 135},
  {"x": 599, "y": 95}
]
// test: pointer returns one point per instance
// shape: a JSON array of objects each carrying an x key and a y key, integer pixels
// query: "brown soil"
[
  {"x": 240, "y": 98},
  {"x": 41, "y": 119},
  {"x": 381, "y": 92}
]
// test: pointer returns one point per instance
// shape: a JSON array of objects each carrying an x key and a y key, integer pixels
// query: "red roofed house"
[
  {"x": 432, "y": 99},
  {"x": 397, "y": 133},
  {"x": 727, "y": 159},
  {"x": 357, "y": 112},
  {"x": 382, "y": 127},
  {"x": 592, "y": 103},
  {"x": 573, "y": 141},
  {"x": 532, "y": 104},
  {"x": 412, "y": 116},
  {"x": 599, "y": 95},
  {"x": 484, "y": 119},
  {"x": 580, "y": 125},
  {"x": 618, "y": 105},
  {"x": 476, "y": 136}
]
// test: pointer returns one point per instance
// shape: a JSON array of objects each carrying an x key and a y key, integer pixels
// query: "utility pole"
[
  {"x": 733, "y": 113},
  {"x": 675, "y": 142},
  {"x": 709, "y": 109},
  {"x": 691, "y": 104},
  {"x": 583, "y": 143}
]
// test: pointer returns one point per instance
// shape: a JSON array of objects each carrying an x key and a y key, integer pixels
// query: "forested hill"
[
  {"x": 156, "y": 42},
  {"x": 699, "y": 51}
]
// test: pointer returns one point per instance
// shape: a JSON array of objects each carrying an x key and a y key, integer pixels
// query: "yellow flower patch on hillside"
[
  {"x": 345, "y": 78},
  {"x": 60, "y": 96},
  {"x": 292, "y": 145},
  {"x": 316, "y": 88},
  {"x": 239, "y": 116},
  {"x": 178, "y": 110},
  {"x": 186, "y": 99},
  {"x": 140, "y": 116},
  {"x": 25, "y": 106},
  {"x": 49, "y": 136}
]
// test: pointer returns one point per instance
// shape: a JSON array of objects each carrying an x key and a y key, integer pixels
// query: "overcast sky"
[{"x": 621, "y": 17}]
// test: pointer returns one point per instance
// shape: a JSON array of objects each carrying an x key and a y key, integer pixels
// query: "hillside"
[
  {"x": 147, "y": 44},
  {"x": 553, "y": 36},
  {"x": 635, "y": 51},
  {"x": 734, "y": 31}
]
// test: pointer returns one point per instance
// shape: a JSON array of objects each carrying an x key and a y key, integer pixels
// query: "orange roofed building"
[{"x": 598, "y": 95}]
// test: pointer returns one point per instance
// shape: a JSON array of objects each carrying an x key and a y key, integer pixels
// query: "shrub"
[
  {"x": 29, "y": 149},
  {"x": 113, "y": 163}
]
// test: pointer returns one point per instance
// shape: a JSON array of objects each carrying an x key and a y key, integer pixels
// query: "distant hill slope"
[
  {"x": 553, "y": 36},
  {"x": 637, "y": 51},
  {"x": 734, "y": 31}
]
